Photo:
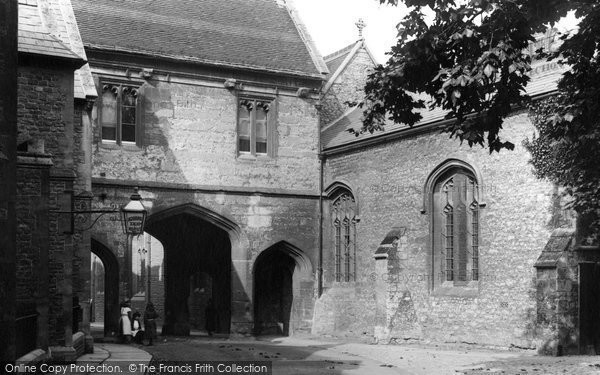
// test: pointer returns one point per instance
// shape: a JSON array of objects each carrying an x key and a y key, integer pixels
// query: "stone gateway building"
[
  {"x": 261, "y": 205},
  {"x": 211, "y": 113}
]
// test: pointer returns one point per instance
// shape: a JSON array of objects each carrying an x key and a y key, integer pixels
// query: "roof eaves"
[
  {"x": 399, "y": 133},
  {"x": 384, "y": 137},
  {"x": 306, "y": 38},
  {"x": 181, "y": 58}
]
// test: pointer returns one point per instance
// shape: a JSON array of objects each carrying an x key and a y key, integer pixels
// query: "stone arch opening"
[
  {"x": 197, "y": 250},
  {"x": 283, "y": 291},
  {"x": 110, "y": 292}
]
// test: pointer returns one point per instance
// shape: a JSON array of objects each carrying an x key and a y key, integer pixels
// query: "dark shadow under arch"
[
  {"x": 196, "y": 241},
  {"x": 111, "y": 287},
  {"x": 283, "y": 285},
  {"x": 198, "y": 211}
]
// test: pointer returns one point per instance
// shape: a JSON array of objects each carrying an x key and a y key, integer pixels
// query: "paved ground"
[
  {"x": 311, "y": 355},
  {"x": 107, "y": 357},
  {"x": 288, "y": 356}
]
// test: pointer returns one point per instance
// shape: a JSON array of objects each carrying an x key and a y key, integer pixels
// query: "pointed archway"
[
  {"x": 111, "y": 287},
  {"x": 283, "y": 290},
  {"x": 196, "y": 242}
]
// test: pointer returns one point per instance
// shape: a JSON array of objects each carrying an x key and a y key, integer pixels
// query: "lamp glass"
[{"x": 133, "y": 216}]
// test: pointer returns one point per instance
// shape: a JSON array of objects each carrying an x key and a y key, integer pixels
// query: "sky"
[{"x": 331, "y": 24}]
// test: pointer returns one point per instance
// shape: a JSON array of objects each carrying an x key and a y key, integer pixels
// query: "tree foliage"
[{"x": 471, "y": 60}]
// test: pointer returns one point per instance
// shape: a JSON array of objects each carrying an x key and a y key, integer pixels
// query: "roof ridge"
[
  {"x": 263, "y": 34},
  {"x": 340, "y": 52}
]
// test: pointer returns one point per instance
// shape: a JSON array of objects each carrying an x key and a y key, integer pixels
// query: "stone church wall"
[{"x": 388, "y": 182}]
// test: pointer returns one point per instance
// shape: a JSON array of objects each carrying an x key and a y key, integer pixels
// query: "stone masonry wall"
[
  {"x": 46, "y": 130},
  {"x": 189, "y": 137},
  {"x": 263, "y": 221},
  {"x": 388, "y": 181},
  {"x": 45, "y": 111},
  {"x": 188, "y": 155}
]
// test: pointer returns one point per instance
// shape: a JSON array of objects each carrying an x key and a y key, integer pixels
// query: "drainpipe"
[
  {"x": 322, "y": 158},
  {"x": 320, "y": 268}
]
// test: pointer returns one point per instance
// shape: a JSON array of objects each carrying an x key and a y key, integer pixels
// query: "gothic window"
[
  {"x": 119, "y": 113},
  {"x": 344, "y": 224},
  {"x": 456, "y": 228},
  {"x": 255, "y": 126}
]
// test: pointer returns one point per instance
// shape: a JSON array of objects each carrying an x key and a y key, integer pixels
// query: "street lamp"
[
  {"x": 133, "y": 218},
  {"x": 133, "y": 215}
]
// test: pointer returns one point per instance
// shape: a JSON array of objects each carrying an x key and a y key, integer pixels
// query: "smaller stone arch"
[
  {"x": 444, "y": 167},
  {"x": 301, "y": 260},
  {"x": 111, "y": 286},
  {"x": 283, "y": 288}
]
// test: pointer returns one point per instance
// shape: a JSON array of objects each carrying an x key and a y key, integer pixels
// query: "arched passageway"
[
  {"x": 283, "y": 289},
  {"x": 110, "y": 290},
  {"x": 197, "y": 257}
]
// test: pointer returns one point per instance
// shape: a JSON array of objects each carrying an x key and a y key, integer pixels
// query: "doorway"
[
  {"x": 283, "y": 291},
  {"x": 589, "y": 308},
  {"x": 105, "y": 289}
]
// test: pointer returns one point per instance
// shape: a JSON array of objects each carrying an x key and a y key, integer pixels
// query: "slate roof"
[
  {"x": 556, "y": 246},
  {"x": 49, "y": 28},
  {"x": 35, "y": 38},
  {"x": 262, "y": 35},
  {"x": 544, "y": 78},
  {"x": 335, "y": 59}
]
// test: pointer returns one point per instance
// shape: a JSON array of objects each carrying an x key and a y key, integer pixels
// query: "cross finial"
[{"x": 360, "y": 25}]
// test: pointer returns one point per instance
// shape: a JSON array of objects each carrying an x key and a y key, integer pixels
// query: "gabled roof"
[
  {"x": 339, "y": 60},
  {"x": 264, "y": 35},
  {"x": 544, "y": 77},
  {"x": 48, "y": 28},
  {"x": 335, "y": 59}
]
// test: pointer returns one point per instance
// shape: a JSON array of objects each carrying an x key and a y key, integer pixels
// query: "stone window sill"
[
  {"x": 116, "y": 146},
  {"x": 253, "y": 158}
]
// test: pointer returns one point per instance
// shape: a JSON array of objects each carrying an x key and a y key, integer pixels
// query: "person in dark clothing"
[
  {"x": 210, "y": 317},
  {"x": 150, "y": 317},
  {"x": 136, "y": 328}
]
